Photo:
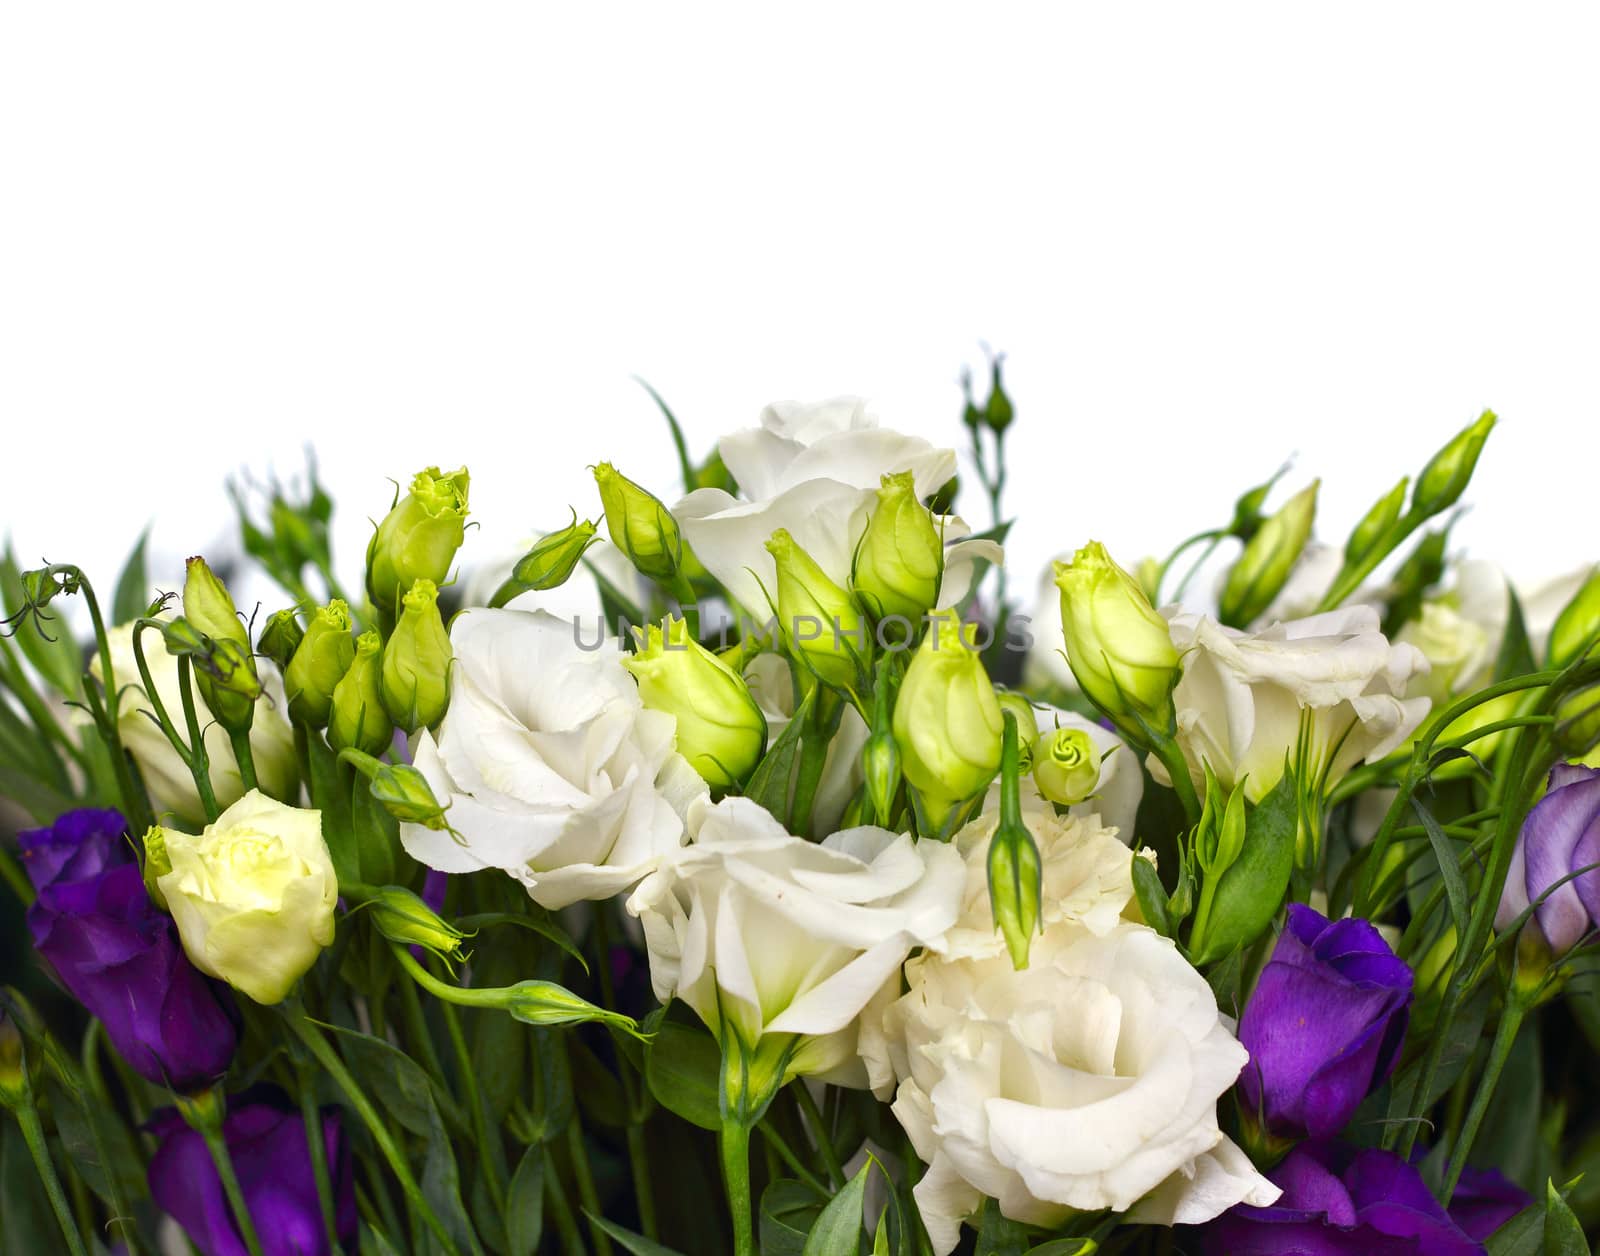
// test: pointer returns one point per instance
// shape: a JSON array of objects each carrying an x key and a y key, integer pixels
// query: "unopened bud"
[
  {"x": 280, "y": 637},
  {"x": 1578, "y": 624},
  {"x": 1263, "y": 568},
  {"x": 1066, "y": 765},
  {"x": 823, "y": 626},
  {"x": 549, "y": 563},
  {"x": 156, "y": 863},
  {"x": 900, "y": 559},
  {"x": 418, "y": 538},
  {"x": 1015, "y": 875},
  {"x": 721, "y": 730},
  {"x": 640, "y": 525},
  {"x": 402, "y": 917},
  {"x": 416, "y": 661},
  {"x": 319, "y": 664},
  {"x": 1445, "y": 477},
  {"x": 358, "y": 719},
  {"x": 209, "y": 607},
  {"x": 998, "y": 412},
  {"x": 1376, "y": 523}
]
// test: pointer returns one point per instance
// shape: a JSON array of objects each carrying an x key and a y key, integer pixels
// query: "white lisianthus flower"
[
  {"x": 782, "y": 941},
  {"x": 814, "y": 470},
  {"x": 166, "y": 775},
  {"x": 1245, "y": 698},
  {"x": 551, "y": 767},
  {"x": 252, "y": 895},
  {"x": 771, "y": 681},
  {"x": 1086, "y": 1081}
]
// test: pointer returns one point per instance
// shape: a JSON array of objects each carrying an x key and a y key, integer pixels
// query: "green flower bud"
[
  {"x": 402, "y": 917},
  {"x": 947, "y": 722},
  {"x": 208, "y": 606},
  {"x": 1247, "y": 517},
  {"x": 1066, "y": 765},
  {"x": 823, "y": 626},
  {"x": 1445, "y": 477},
  {"x": 416, "y": 661},
  {"x": 1577, "y": 730},
  {"x": 417, "y": 539},
  {"x": 1020, "y": 709},
  {"x": 900, "y": 559},
  {"x": 1575, "y": 628},
  {"x": 1262, "y": 570},
  {"x": 721, "y": 730},
  {"x": 156, "y": 863},
  {"x": 281, "y": 637},
  {"x": 998, "y": 410},
  {"x": 1015, "y": 875},
  {"x": 223, "y": 672},
  {"x": 320, "y": 663},
  {"x": 549, "y": 563},
  {"x": 358, "y": 719},
  {"x": 971, "y": 415},
  {"x": 1117, "y": 645},
  {"x": 640, "y": 526},
  {"x": 1376, "y": 523}
]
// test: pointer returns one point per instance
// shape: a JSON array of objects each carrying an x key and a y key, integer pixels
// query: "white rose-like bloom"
[
  {"x": 815, "y": 470},
  {"x": 771, "y": 682},
  {"x": 252, "y": 895},
  {"x": 1086, "y": 1081},
  {"x": 786, "y": 937},
  {"x": 1244, "y": 696},
  {"x": 166, "y": 775},
  {"x": 551, "y": 767},
  {"x": 1086, "y": 877}
]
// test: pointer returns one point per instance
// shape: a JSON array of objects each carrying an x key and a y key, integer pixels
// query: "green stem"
[
  {"x": 786, "y": 1153},
  {"x": 12, "y": 874},
  {"x": 33, "y": 1134},
  {"x": 326, "y": 1056},
  {"x": 1505, "y": 1037},
  {"x": 217, "y": 1145},
  {"x": 1166, "y": 749},
  {"x": 638, "y": 1159},
  {"x": 584, "y": 1176},
  {"x": 492, "y": 1159},
  {"x": 734, "y": 1145},
  {"x": 819, "y": 1131},
  {"x": 135, "y": 800},
  {"x": 199, "y": 759},
  {"x": 1350, "y": 576},
  {"x": 240, "y": 740},
  {"x": 311, "y": 1118}
]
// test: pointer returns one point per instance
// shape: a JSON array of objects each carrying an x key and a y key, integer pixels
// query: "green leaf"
[
  {"x": 76, "y": 1123},
  {"x": 682, "y": 1065},
  {"x": 525, "y": 1204},
  {"x": 536, "y": 920},
  {"x": 373, "y": 1242},
  {"x": 837, "y": 1231},
  {"x": 769, "y": 783},
  {"x": 1446, "y": 854},
  {"x": 1563, "y": 1235},
  {"x": 629, "y": 1241},
  {"x": 685, "y": 466},
  {"x": 50, "y": 647},
  {"x": 401, "y": 1091},
  {"x": 788, "y": 1211},
  {"x": 998, "y": 1235},
  {"x": 132, "y": 597},
  {"x": 1516, "y": 652},
  {"x": 1252, "y": 888},
  {"x": 331, "y": 796},
  {"x": 1152, "y": 896}
]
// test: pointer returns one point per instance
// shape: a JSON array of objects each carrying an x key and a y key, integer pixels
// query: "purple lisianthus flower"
[
  {"x": 272, "y": 1159},
  {"x": 1341, "y": 1201},
  {"x": 1485, "y": 1200},
  {"x": 1560, "y": 836},
  {"x": 1323, "y": 1026},
  {"x": 118, "y": 954}
]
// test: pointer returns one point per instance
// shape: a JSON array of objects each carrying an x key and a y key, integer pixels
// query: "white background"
[{"x": 1207, "y": 238}]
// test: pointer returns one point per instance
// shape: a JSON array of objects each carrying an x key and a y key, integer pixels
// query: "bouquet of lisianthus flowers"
[{"x": 742, "y": 871}]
